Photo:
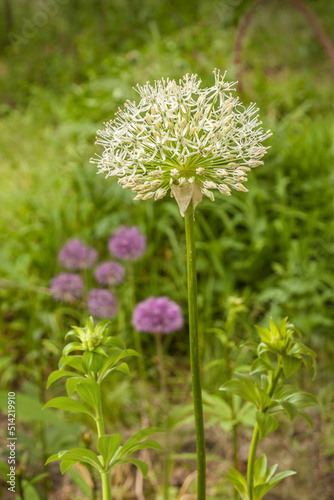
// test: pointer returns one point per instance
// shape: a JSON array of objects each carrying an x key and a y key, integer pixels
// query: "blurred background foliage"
[{"x": 65, "y": 67}]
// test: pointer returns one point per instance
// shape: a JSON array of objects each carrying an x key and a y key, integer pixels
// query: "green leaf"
[
  {"x": 280, "y": 476},
  {"x": 301, "y": 349},
  {"x": 57, "y": 374},
  {"x": 99, "y": 350},
  {"x": 264, "y": 334},
  {"x": 267, "y": 423},
  {"x": 92, "y": 361},
  {"x": 242, "y": 387},
  {"x": 72, "y": 346},
  {"x": 290, "y": 365},
  {"x": 89, "y": 391},
  {"x": 289, "y": 408},
  {"x": 138, "y": 463},
  {"x": 302, "y": 399},
  {"x": 137, "y": 437},
  {"x": 261, "y": 365},
  {"x": 238, "y": 482},
  {"x": 71, "y": 384},
  {"x": 67, "y": 464},
  {"x": 305, "y": 416},
  {"x": 145, "y": 445},
  {"x": 68, "y": 404},
  {"x": 274, "y": 330},
  {"x": 260, "y": 490},
  {"x": 123, "y": 367},
  {"x": 260, "y": 469},
  {"x": 81, "y": 455},
  {"x": 114, "y": 342},
  {"x": 72, "y": 361},
  {"x": 108, "y": 446},
  {"x": 270, "y": 472}
]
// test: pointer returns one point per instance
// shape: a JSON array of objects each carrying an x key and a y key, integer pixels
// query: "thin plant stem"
[
  {"x": 163, "y": 388},
  {"x": 256, "y": 436},
  {"x": 194, "y": 350},
  {"x": 105, "y": 476}
]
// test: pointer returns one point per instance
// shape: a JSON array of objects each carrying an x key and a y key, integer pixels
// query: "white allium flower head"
[{"x": 183, "y": 139}]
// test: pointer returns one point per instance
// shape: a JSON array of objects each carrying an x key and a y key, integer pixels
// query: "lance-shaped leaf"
[
  {"x": 75, "y": 455},
  {"x": 72, "y": 346},
  {"x": 66, "y": 464},
  {"x": 89, "y": 391},
  {"x": 71, "y": 385},
  {"x": 72, "y": 361},
  {"x": 69, "y": 405},
  {"x": 260, "y": 469},
  {"x": 138, "y": 463},
  {"x": 137, "y": 438},
  {"x": 267, "y": 423},
  {"x": 92, "y": 361},
  {"x": 57, "y": 374},
  {"x": 247, "y": 388},
  {"x": 108, "y": 447},
  {"x": 290, "y": 365},
  {"x": 238, "y": 482},
  {"x": 261, "y": 489}
]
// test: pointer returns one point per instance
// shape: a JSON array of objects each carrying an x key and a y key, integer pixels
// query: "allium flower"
[
  {"x": 183, "y": 138},
  {"x": 109, "y": 273},
  {"x": 127, "y": 243},
  {"x": 102, "y": 303},
  {"x": 157, "y": 315},
  {"x": 66, "y": 287},
  {"x": 75, "y": 255}
]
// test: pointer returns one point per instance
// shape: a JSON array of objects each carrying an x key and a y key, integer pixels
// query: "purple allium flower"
[
  {"x": 66, "y": 287},
  {"x": 102, "y": 303},
  {"x": 157, "y": 315},
  {"x": 75, "y": 255},
  {"x": 109, "y": 273},
  {"x": 127, "y": 243}
]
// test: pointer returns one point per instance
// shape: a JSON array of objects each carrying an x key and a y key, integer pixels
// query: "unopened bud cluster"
[
  {"x": 91, "y": 336},
  {"x": 181, "y": 134}
]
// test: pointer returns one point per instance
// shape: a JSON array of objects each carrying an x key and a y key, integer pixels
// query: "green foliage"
[
  {"x": 280, "y": 354},
  {"x": 87, "y": 385}
]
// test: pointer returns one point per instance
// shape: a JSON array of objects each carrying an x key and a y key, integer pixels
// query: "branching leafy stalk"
[{"x": 194, "y": 350}]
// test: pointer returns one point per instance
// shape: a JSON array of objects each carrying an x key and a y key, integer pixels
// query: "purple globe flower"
[
  {"x": 109, "y": 273},
  {"x": 157, "y": 315},
  {"x": 75, "y": 255},
  {"x": 127, "y": 243},
  {"x": 102, "y": 303},
  {"x": 66, "y": 287}
]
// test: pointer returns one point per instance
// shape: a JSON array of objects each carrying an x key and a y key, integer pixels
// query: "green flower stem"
[
  {"x": 256, "y": 436},
  {"x": 105, "y": 476},
  {"x": 165, "y": 409},
  {"x": 194, "y": 350}
]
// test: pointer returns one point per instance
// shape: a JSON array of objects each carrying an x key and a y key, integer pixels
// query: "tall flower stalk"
[
  {"x": 194, "y": 350},
  {"x": 187, "y": 141}
]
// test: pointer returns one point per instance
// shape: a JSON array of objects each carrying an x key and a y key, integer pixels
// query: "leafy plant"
[
  {"x": 280, "y": 355},
  {"x": 100, "y": 355}
]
